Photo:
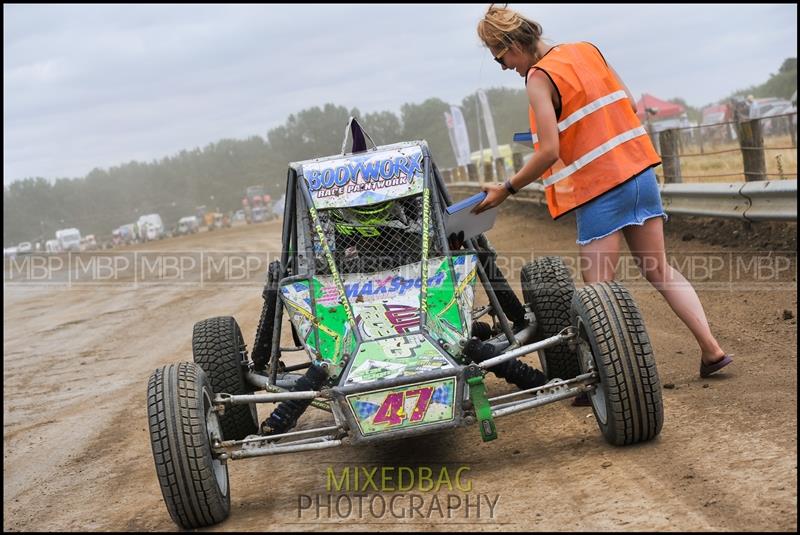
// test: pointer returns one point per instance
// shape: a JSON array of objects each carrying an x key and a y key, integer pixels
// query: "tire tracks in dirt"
[{"x": 80, "y": 459}]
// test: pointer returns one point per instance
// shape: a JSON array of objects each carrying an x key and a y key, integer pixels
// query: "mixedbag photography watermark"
[{"x": 398, "y": 493}]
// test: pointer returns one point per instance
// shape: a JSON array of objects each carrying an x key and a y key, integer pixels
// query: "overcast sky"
[{"x": 88, "y": 86}]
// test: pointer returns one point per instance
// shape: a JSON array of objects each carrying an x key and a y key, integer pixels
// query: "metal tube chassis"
[
  {"x": 342, "y": 433},
  {"x": 345, "y": 431}
]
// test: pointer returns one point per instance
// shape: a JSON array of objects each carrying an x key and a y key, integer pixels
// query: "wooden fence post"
[
  {"x": 488, "y": 175},
  {"x": 472, "y": 173},
  {"x": 500, "y": 169},
  {"x": 751, "y": 141},
  {"x": 517, "y": 158},
  {"x": 700, "y": 137},
  {"x": 668, "y": 140}
]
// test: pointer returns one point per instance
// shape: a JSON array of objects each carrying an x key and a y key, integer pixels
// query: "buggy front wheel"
[
  {"x": 613, "y": 342},
  {"x": 183, "y": 425}
]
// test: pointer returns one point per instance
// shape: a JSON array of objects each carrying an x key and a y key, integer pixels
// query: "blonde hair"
[{"x": 505, "y": 27}]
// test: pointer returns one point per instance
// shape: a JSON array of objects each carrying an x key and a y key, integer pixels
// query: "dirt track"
[{"x": 76, "y": 451}]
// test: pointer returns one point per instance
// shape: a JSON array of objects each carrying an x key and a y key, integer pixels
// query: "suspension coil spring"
[{"x": 286, "y": 414}]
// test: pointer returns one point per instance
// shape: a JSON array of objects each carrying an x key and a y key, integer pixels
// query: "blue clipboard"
[
  {"x": 459, "y": 218},
  {"x": 469, "y": 202}
]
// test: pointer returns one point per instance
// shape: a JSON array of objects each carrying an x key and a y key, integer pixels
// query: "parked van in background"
[
  {"x": 69, "y": 239},
  {"x": 187, "y": 225},
  {"x": 151, "y": 227}
]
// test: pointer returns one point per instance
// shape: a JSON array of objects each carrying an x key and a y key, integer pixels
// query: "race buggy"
[{"x": 381, "y": 299}]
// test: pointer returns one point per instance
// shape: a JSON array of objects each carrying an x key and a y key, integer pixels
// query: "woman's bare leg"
[
  {"x": 646, "y": 243},
  {"x": 598, "y": 259}
]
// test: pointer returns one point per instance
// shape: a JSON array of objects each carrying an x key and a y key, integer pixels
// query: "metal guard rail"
[{"x": 765, "y": 200}]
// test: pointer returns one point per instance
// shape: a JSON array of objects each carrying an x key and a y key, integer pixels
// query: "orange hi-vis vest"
[{"x": 601, "y": 141}]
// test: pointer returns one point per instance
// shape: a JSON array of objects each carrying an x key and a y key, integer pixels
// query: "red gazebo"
[{"x": 664, "y": 109}]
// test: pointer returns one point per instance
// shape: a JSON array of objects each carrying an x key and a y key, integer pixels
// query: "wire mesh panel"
[{"x": 372, "y": 238}]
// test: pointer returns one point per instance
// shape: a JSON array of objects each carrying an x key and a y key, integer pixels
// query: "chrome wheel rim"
[
  {"x": 587, "y": 361},
  {"x": 213, "y": 428}
]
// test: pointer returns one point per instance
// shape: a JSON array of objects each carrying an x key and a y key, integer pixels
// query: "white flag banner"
[
  {"x": 489, "y": 123},
  {"x": 460, "y": 135},
  {"x": 448, "y": 119}
]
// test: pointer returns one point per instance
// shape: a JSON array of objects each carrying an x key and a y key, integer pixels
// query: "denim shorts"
[{"x": 631, "y": 203}]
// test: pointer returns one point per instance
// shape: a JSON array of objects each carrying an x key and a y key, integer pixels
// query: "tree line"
[
  {"x": 781, "y": 84},
  {"x": 217, "y": 174}
]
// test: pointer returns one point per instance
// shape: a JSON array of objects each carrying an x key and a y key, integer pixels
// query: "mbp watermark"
[
  {"x": 35, "y": 269},
  {"x": 425, "y": 493},
  {"x": 139, "y": 268},
  {"x": 733, "y": 271}
]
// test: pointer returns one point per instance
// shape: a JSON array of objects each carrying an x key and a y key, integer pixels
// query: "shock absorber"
[
  {"x": 482, "y": 330},
  {"x": 286, "y": 414},
  {"x": 513, "y": 371}
]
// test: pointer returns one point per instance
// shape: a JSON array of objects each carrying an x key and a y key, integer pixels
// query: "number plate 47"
[{"x": 393, "y": 408}]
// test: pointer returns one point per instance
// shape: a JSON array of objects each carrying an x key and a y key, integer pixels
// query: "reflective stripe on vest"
[
  {"x": 595, "y": 154},
  {"x": 586, "y": 110}
]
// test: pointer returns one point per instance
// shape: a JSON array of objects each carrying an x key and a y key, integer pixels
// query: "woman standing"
[{"x": 594, "y": 157}]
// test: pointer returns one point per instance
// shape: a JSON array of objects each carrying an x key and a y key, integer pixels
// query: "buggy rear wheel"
[
  {"x": 218, "y": 347},
  {"x": 182, "y": 425},
  {"x": 613, "y": 341},
  {"x": 548, "y": 289}
]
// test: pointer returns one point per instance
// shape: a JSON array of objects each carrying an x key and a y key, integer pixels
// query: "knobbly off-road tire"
[
  {"x": 548, "y": 288},
  {"x": 613, "y": 340},
  {"x": 218, "y": 348},
  {"x": 195, "y": 486}
]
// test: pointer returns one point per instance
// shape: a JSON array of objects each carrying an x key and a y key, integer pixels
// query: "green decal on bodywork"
[
  {"x": 296, "y": 296},
  {"x": 332, "y": 266},
  {"x": 445, "y": 321},
  {"x": 323, "y": 331},
  {"x": 400, "y": 356},
  {"x": 311, "y": 339},
  {"x": 330, "y": 319},
  {"x": 442, "y": 300}
]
